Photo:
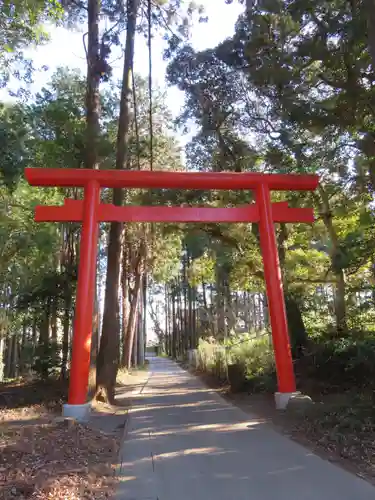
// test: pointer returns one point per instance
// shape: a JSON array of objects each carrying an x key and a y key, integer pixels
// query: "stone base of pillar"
[
  {"x": 282, "y": 399},
  {"x": 79, "y": 412}
]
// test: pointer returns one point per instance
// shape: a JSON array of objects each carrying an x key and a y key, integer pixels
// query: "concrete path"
[{"x": 185, "y": 442}]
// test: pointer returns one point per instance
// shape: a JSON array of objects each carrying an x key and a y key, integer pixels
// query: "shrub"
[
  {"x": 253, "y": 355},
  {"x": 345, "y": 363},
  {"x": 212, "y": 358},
  {"x": 47, "y": 359},
  {"x": 342, "y": 364}
]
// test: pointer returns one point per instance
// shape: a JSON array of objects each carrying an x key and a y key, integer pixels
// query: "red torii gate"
[{"x": 90, "y": 212}]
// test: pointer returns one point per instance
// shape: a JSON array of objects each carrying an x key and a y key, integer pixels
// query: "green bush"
[
  {"x": 343, "y": 363},
  {"x": 212, "y": 358},
  {"x": 47, "y": 360},
  {"x": 253, "y": 355}
]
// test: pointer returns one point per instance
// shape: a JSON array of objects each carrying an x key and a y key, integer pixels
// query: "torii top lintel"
[{"x": 169, "y": 180}]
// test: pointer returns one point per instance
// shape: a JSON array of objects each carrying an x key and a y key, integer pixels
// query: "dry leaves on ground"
[
  {"x": 42, "y": 457},
  {"x": 55, "y": 460},
  {"x": 345, "y": 431}
]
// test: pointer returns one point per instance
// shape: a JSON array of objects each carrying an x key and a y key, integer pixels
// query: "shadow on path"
[{"x": 186, "y": 442}]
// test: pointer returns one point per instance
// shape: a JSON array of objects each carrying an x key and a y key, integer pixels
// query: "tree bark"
[
  {"x": 340, "y": 302},
  {"x": 221, "y": 285},
  {"x": 174, "y": 325},
  {"x": 167, "y": 314},
  {"x": 143, "y": 319},
  {"x": 45, "y": 324},
  {"x": 23, "y": 347},
  {"x": 93, "y": 81},
  {"x": 66, "y": 327},
  {"x": 94, "y": 346},
  {"x": 108, "y": 357},
  {"x": 296, "y": 327},
  {"x": 186, "y": 324},
  {"x": 370, "y": 15},
  {"x": 134, "y": 355},
  {"x": 15, "y": 357},
  {"x": 125, "y": 298},
  {"x": 54, "y": 319},
  {"x": 130, "y": 334},
  {"x": 2, "y": 349},
  {"x": 8, "y": 364},
  {"x": 67, "y": 263},
  {"x": 180, "y": 319}
]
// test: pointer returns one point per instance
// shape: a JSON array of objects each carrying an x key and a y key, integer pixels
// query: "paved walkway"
[{"x": 185, "y": 442}]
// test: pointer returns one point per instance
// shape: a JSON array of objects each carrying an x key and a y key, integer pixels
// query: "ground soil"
[
  {"x": 338, "y": 427},
  {"x": 43, "y": 456}
]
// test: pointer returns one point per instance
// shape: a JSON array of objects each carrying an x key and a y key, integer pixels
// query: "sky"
[{"x": 66, "y": 49}]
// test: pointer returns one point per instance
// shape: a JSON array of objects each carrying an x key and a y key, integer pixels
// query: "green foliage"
[
  {"x": 14, "y": 132},
  {"x": 291, "y": 92},
  {"x": 341, "y": 363},
  {"x": 22, "y": 25},
  {"x": 257, "y": 359},
  {"x": 46, "y": 360},
  {"x": 253, "y": 355},
  {"x": 212, "y": 358}
]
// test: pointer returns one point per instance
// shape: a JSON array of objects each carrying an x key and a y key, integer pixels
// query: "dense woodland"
[{"x": 291, "y": 92}]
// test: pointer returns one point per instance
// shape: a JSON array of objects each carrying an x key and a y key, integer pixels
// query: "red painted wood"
[
  {"x": 90, "y": 212},
  {"x": 80, "y": 365},
  {"x": 72, "y": 211},
  {"x": 171, "y": 180},
  {"x": 275, "y": 294}
]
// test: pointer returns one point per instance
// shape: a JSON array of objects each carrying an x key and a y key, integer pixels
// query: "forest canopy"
[{"x": 292, "y": 91}]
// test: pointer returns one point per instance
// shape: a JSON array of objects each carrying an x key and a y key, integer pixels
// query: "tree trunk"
[
  {"x": 167, "y": 315},
  {"x": 140, "y": 332},
  {"x": 370, "y": 16},
  {"x": 215, "y": 320},
  {"x": 143, "y": 319},
  {"x": 194, "y": 316},
  {"x": 2, "y": 349},
  {"x": 221, "y": 284},
  {"x": 134, "y": 360},
  {"x": 45, "y": 325},
  {"x": 296, "y": 327},
  {"x": 186, "y": 325},
  {"x": 190, "y": 317},
  {"x": 94, "y": 346},
  {"x": 180, "y": 320},
  {"x": 8, "y": 366},
  {"x": 66, "y": 327},
  {"x": 67, "y": 263},
  {"x": 130, "y": 334},
  {"x": 54, "y": 319},
  {"x": 23, "y": 347},
  {"x": 108, "y": 357},
  {"x": 339, "y": 303},
  {"x": 93, "y": 80},
  {"x": 11, "y": 369},
  {"x": 15, "y": 357},
  {"x": 174, "y": 325},
  {"x": 125, "y": 298}
]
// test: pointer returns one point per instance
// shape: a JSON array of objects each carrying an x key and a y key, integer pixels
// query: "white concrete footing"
[
  {"x": 282, "y": 399},
  {"x": 80, "y": 412}
]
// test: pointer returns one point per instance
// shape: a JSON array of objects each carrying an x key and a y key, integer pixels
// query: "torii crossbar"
[{"x": 91, "y": 212}]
